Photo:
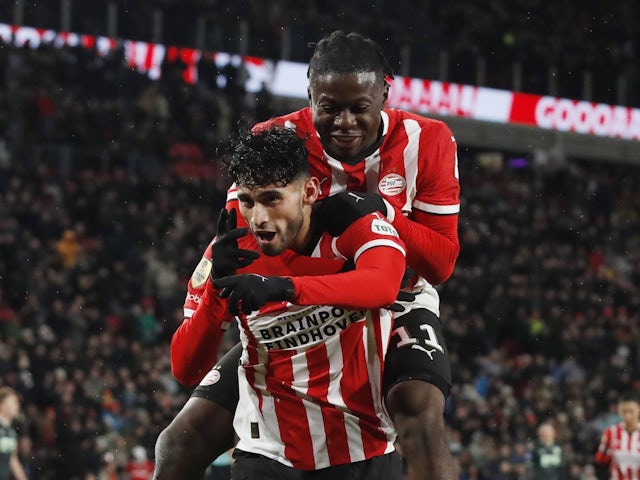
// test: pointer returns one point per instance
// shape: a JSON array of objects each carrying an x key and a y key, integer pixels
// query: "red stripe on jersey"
[
  {"x": 355, "y": 367},
  {"x": 319, "y": 379},
  {"x": 252, "y": 353},
  {"x": 296, "y": 437}
]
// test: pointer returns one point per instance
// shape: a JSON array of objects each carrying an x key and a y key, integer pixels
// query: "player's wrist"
[{"x": 287, "y": 288}]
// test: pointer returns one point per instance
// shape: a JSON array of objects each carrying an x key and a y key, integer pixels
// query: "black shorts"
[
  {"x": 251, "y": 466},
  {"x": 416, "y": 352}
]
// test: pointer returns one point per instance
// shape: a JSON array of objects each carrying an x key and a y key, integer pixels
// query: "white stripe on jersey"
[
  {"x": 248, "y": 412},
  {"x": 314, "y": 414},
  {"x": 372, "y": 171},
  {"x": 354, "y": 438},
  {"x": 336, "y": 364},
  {"x": 377, "y": 243},
  {"x": 318, "y": 436},
  {"x": 232, "y": 193},
  {"x": 369, "y": 341},
  {"x": 410, "y": 156},
  {"x": 334, "y": 249},
  {"x": 437, "y": 209},
  {"x": 339, "y": 178}
]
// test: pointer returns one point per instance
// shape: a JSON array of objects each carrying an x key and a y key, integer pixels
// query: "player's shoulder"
[
  {"x": 399, "y": 118},
  {"x": 368, "y": 227}
]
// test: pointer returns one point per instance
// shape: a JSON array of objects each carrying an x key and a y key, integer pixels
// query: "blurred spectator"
[
  {"x": 547, "y": 462},
  {"x": 10, "y": 465},
  {"x": 139, "y": 467},
  {"x": 68, "y": 248}
]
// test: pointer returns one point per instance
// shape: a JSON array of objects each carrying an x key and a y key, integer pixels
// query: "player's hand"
[
  {"x": 249, "y": 292},
  {"x": 402, "y": 297},
  {"x": 339, "y": 211},
  {"x": 226, "y": 257}
]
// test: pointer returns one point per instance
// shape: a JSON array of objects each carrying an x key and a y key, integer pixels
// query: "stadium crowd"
[
  {"x": 553, "y": 42},
  {"x": 109, "y": 188}
]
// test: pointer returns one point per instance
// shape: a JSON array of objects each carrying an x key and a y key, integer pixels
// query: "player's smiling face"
[
  {"x": 279, "y": 217},
  {"x": 346, "y": 111}
]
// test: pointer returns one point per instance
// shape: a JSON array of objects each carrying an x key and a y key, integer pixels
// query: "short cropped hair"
[
  {"x": 6, "y": 392},
  {"x": 630, "y": 396},
  {"x": 272, "y": 156},
  {"x": 347, "y": 53}
]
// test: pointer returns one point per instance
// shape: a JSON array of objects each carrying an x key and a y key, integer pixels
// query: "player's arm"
[
  {"x": 16, "y": 467},
  {"x": 602, "y": 455},
  {"x": 379, "y": 259},
  {"x": 430, "y": 232},
  {"x": 380, "y": 263},
  {"x": 195, "y": 344}
]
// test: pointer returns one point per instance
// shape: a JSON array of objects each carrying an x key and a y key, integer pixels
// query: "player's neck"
[
  {"x": 312, "y": 237},
  {"x": 631, "y": 427},
  {"x": 305, "y": 233}
]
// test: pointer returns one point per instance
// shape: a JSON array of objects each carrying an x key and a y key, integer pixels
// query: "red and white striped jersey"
[
  {"x": 414, "y": 168},
  {"x": 621, "y": 449},
  {"x": 311, "y": 376}
]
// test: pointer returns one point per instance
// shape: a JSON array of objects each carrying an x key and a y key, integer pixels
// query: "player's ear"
[
  {"x": 385, "y": 92},
  {"x": 309, "y": 93},
  {"x": 311, "y": 190}
]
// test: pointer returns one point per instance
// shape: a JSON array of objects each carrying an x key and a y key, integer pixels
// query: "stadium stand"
[
  {"x": 562, "y": 48},
  {"x": 109, "y": 188}
]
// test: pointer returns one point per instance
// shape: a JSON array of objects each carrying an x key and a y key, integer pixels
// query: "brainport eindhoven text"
[{"x": 307, "y": 327}]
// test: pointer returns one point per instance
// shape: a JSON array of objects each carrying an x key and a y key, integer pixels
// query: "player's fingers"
[
  {"x": 233, "y": 303},
  {"x": 225, "y": 292},
  {"x": 396, "y": 307},
  {"x": 233, "y": 309},
  {"x": 233, "y": 235},
  {"x": 248, "y": 306},
  {"x": 223, "y": 220},
  {"x": 232, "y": 221},
  {"x": 244, "y": 262},
  {"x": 405, "y": 296},
  {"x": 242, "y": 253},
  {"x": 223, "y": 282}
]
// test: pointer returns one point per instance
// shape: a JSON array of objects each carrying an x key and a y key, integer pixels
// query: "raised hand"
[{"x": 226, "y": 257}]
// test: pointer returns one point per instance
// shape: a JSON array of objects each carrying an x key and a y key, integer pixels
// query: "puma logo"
[
  {"x": 357, "y": 197},
  {"x": 428, "y": 352}
]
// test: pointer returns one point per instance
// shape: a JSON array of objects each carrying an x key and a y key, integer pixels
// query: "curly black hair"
[
  {"x": 272, "y": 156},
  {"x": 347, "y": 53}
]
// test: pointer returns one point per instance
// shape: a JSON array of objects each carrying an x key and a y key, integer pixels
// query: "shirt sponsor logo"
[
  {"x": 201, "y": 273},
  {"x": 383, "y": 228},
  {"x": 307, "y": 327},
  {"x": 392, "y": 184},
  {"x": 192, "y": 297},
  {"x": 210, "y": 378}
]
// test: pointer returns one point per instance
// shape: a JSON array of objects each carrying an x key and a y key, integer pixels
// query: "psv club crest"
[{"x": 392, "y": 184}]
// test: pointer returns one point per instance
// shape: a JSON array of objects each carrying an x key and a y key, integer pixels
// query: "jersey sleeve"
[
  {"x": 196, "y": 283},
  {"x": 602, "y": 455},
  {"x": 195, "y": 344},
  {"x": 431, "y": 230},
  {"x": 379, "y": 256}
]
